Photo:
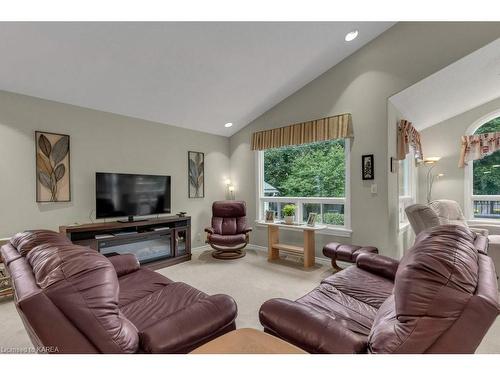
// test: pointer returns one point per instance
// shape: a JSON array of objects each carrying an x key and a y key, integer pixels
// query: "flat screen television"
[{"x": 120, "y": 194}]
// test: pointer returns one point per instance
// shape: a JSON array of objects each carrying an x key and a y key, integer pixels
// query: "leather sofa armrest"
[
  {"x": 124, "y": 263},
  {"x": 190, "y": 327},
  {"x": 246, "y": 230},
  {"x": 378, "y": 264},
  {"x": 480, "y": 231},
  {"x": 210, "y": 230},
  {"x": 309, "y": 329}
]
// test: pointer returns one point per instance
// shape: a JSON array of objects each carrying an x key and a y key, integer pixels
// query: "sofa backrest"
[
  {"x": 448, "y": 212},
  {"x": 444, "y": 298},
  {"x": 83, "y": 286},
  {"x": 25, "y": 241},
  {"x": 438, "y": 212},
  {"x": 421, "y": 217},
  {"x": 229, "y": 217}
]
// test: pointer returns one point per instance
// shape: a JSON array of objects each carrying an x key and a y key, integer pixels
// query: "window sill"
[
  {"x": 483, "y": 221},
  {"x": 329, "y": 231}
]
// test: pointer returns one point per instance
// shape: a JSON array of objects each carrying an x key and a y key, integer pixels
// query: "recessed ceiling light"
[
  {"x": 351, "y": 36},
  {"x": 228, "y": 125}
]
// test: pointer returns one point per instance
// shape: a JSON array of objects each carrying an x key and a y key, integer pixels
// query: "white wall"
[
  {"x": 443, "y": 140},
  {"x": 99, "y": 142},
  {"x": 361, "y": 85}
]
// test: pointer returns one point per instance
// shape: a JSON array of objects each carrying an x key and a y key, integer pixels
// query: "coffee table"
[{"x": 247, "y": 341}]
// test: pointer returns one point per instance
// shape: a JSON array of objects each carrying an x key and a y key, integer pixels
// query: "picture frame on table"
[
  {"x": 270, "y": 215},
  {"x": 311, "y": 219}
]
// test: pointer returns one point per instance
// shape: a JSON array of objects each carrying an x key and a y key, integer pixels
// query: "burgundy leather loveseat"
[
  {"x": 440, "y": 298},
  {"x": 74, "y": 300}
]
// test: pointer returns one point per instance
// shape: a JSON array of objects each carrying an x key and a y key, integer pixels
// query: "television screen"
[{"x": 119, "y": 194}]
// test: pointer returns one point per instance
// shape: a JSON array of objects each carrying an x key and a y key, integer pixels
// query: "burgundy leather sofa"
[
  {"x": 228, "y": 234},
  {"x": 440, "y": 298},
  {"x": 74, "y": 300}
]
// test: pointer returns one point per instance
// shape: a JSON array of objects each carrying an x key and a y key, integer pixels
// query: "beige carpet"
[{"x": 250, "y": 281}]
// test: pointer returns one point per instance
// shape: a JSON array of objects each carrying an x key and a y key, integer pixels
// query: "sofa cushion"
[
  {"x": 83, "y": 285},
  {"x": 160, "y": 304},
  {"x": 435, "y": 281},
  {"x": 139, "y": 284},
  {"x": 227, "y": 240},
  {"x": 25, "y": 241},
  {"x": 361, "y": 285},
  {"x": 351, "y": 313}
]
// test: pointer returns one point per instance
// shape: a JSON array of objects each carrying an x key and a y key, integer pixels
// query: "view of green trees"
[
  {"x": 487, "y": 170},
  {"x": 311, "y": 170}
]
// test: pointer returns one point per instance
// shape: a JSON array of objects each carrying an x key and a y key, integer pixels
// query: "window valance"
[
  {"x": 478, "y": 146},
  {"x": 408, "y": 137},
  {"x": 324, "y": 129}
]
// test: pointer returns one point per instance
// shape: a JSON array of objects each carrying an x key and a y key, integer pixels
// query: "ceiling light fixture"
[
  {"x": 351, "y": 35},
  {"x": 228, "y": 125}
]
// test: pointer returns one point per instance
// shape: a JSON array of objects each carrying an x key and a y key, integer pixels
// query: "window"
[
  {"x": 406, "y": 185},
  {"x": 484, "y": 179},
  {"x": 313, "y": 177}
]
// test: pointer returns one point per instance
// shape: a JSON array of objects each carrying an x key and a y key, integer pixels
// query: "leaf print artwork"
[
  {"x": 196, "y": 174},
  {"x": 52, "y": 167}
]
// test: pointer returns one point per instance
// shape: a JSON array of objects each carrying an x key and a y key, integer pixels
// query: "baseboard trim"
[
  {"x": 320, "y": 260},
  {"x": 200, "y": 248}
]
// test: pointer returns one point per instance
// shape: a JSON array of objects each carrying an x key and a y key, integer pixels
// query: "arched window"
[{"x": 483, "y": 176}]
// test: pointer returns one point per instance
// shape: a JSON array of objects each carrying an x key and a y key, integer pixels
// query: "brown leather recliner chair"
[
  {"x": 440, "y": 298},
  {"x": 74, "y": 300},
  {"x": 228, "y": 234}
]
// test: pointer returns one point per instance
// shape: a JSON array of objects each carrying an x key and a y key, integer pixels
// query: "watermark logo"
[{"x": 29, "y": 350}]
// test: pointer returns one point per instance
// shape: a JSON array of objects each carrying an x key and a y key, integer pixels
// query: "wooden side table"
[
  {"x": 247, "y": 341},
  {"x": 275, "y": 246}
]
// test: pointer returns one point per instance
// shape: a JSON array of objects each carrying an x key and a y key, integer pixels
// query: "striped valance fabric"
[
  {"x": 478, "y": 146},
  {"x": 408, "y": 137},
  {"x": 305, "y": 132}
]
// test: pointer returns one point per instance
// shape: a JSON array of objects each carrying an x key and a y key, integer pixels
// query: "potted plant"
[{"x": 289, "y": 213}]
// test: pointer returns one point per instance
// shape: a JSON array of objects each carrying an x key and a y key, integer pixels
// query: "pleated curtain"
[
  {"x": 477, "y": 146},
  {"x": 323, "y": 129},
  {"x": 408, "y": 138}
]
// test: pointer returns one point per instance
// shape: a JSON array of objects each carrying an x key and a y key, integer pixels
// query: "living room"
[{"x": 325, "y": 187}]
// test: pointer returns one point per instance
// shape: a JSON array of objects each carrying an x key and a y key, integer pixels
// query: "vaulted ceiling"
[
  {"x": 466, "y": 84},
  {"x": 193, "y": 75}
]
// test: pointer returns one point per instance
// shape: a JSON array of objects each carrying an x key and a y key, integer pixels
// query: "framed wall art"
[
  {"x": 196, "y": 174},
  {"x": 367, "y": 167},
  {"x": 52, "y": 167}
]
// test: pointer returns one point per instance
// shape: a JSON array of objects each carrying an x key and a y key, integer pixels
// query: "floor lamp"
[{"x": 431, "y": 163}]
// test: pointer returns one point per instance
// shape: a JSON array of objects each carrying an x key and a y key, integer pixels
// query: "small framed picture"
[
  {"x": 270, "y": 216},
  {"x": 311, "y": 220},
  {"x": 367, "y": 167}
]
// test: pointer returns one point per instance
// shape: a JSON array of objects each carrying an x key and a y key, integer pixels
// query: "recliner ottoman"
[{"x": 345, "y": 253}]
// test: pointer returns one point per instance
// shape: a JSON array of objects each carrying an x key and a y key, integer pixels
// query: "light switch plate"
[{"x": 373, "y": 188}]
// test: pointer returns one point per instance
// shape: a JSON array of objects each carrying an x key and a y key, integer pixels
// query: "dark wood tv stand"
[{"x": 169, "y": 235}]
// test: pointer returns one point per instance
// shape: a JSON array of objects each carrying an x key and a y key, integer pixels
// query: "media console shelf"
[{"x": 157, "y": 243}]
